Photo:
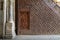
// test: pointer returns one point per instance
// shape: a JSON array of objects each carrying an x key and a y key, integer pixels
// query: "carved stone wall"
[{"x": 43, "y": 20}]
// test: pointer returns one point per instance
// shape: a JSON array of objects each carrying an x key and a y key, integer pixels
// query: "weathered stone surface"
[
  {"x": 1, "y": 23},
  {"x": 8, "y": 28}
]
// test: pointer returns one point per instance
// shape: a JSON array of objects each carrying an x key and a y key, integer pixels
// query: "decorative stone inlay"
[{"x": 44, "y": 18}]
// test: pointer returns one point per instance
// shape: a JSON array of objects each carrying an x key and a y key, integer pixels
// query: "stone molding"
[{"x": 9, "y": 18}]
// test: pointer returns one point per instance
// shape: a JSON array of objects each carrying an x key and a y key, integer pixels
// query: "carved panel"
[
  {"x": 24, "y": 16},
  {"x": 23, "y": 20}
]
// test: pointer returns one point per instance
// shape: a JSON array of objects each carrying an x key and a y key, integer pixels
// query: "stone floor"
[{"x": 36, "y": 37}]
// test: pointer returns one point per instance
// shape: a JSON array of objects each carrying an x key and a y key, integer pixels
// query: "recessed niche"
[{"x": 24, "y": 19}]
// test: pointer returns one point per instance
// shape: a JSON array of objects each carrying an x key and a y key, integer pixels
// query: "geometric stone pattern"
[{"x": 43, "y": 20}]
